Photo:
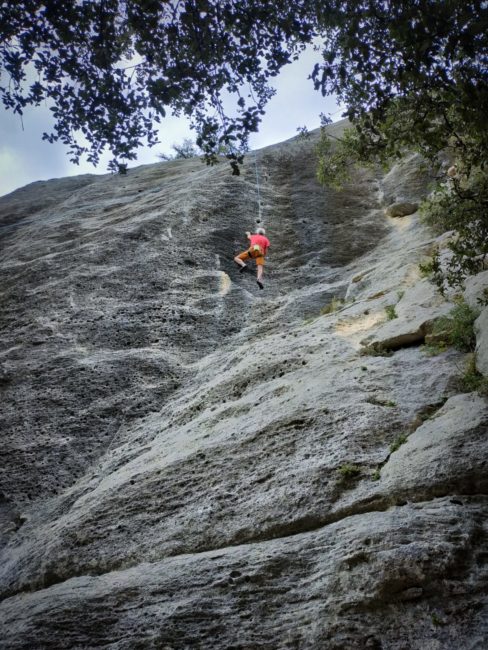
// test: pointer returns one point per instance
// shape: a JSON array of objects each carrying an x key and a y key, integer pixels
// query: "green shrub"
[
  {"x": 484, "y": 299},
  {"x": 378, "y": 401},
  {"x": 436, "y": 620},
  {"x": 456, "y": 329},
  {"x": 348, "y": 471},
  {"x": 433, "y": 349},
  {"x": 375, "y": 350},
  {"x": 398, "y": 442},
  {"x": 461, "y": 206},
  {"x": 376, "y": 475},
  {"x": 431, "y": 267},
  {"x": 472, "y": 380},
  {"x": 336, "y": 160},
  {"x": 334, "y": 305},
  {"x": 390, "y": 312}
]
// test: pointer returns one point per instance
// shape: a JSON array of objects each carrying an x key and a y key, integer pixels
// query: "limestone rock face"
[
  {"x": 408, "y": 181},
  {"x": 436, "y": 453},
  {"x": 476, "y": 289},
  {"x": 409, "y": 318},
  {"x": 190, "y": 462},
  {"x": 481, "y": 330},
  {"x": 476, "y": 295}
]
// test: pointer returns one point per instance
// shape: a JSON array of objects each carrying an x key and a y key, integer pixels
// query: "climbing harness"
[{"x": 255, "y": 251}]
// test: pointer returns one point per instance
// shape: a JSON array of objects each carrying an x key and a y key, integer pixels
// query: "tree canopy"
[
  {"x": 413, "y": 76},
  {"x": 182, "y": 151},
  {"x": 415, "y": 69},
  {"x": 110, "y": 70}
]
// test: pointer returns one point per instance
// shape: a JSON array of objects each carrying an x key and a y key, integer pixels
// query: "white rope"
[{"x": 257, "y": 184}]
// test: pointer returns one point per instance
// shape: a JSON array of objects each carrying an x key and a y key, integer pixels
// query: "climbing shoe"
[
  {"x": 260, "y": 284},
  {"x": 242, "y": 269}
]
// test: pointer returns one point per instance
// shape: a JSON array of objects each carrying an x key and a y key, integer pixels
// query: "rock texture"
[
  {"x": 481, "y": 353},
  {"x": 410, "y": 317},
  {"x": 190, "y": 462},
  {"x": 476, "y": 295},
  {"x": 476, "y": 290}
]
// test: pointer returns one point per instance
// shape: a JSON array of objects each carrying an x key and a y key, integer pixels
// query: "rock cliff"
[{"x": 190, "y": 462}]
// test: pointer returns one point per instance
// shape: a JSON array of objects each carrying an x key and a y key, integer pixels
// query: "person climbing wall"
[{"x": 256, "y": 251}]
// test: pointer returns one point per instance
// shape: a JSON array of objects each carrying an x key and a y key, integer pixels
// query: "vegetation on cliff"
[
  {"x": 413, "y": 76},
  {"x": 110, "y": 70}
]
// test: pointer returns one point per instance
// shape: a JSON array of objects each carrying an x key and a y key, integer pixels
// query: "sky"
[{"x": 25, "y": 157}]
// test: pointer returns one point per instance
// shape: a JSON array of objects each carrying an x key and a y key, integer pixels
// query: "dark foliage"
[
  {"x": 415, "y": 69},
  {"x": 110, "y": 70},
  {"x": 414, "y": 77},
  {"x": 412, "y": 73}
]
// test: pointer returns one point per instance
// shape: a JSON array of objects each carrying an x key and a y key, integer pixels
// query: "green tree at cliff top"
[
  {"x": 414, "y": 77},
  {"x": 112, "y": 69}
]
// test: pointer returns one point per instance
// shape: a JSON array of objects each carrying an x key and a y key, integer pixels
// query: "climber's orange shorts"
[{"x": 247, "y": 254}]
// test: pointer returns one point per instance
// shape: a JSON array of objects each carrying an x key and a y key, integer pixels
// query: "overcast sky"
[{"x": 25, "y": 158}]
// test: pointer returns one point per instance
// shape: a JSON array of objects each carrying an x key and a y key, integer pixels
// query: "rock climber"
[{"x": 256, "y": 251}]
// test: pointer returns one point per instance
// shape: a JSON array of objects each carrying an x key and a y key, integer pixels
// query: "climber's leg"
[
  {"x": 239, "y": 259},
  {"x": 260, "y": 270}
]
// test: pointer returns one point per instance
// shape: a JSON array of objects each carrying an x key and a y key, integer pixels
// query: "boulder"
[
  {"x": 476, "y": 289},
  {"x": 401, "y": 209},
  {"x": 415, "y": 311},
  {"x": 445, "y": 455}
]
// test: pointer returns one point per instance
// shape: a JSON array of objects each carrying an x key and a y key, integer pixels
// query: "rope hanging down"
[{"x": 257, "y": 185}]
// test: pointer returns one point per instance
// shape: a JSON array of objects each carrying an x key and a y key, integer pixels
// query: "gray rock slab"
[
  {"x": 481, "y": 352},
  {"x": 119, "y": 283},
  {"x": 251, "y": 453},
  {"x": 403, "y": 578},
  {"x": 189, "y": 462},
  {"x": 445, "y": 455},
  {"x": 407, "y": 181},
  {"x": 476, "y": 289},
  {"x": 414, "y": 313}
]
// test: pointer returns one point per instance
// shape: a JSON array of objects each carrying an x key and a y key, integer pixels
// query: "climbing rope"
[{"x": 257, "y": 185}]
